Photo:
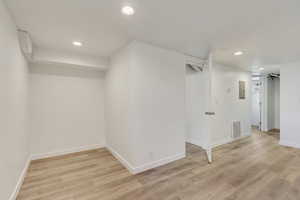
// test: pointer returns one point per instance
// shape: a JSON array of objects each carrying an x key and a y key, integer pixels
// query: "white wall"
[
  {"x": 158, "y": 103},
  {"x": 226, "y": 103},
  {"x": 145, "y": 106},
  {"x": 66, "y": 109},
  {"x": 117, "y": 83},
  {"x": 14, "y": 149},
  {"x": 196, "y": 106},
  {"x": 290, "y": 105}
]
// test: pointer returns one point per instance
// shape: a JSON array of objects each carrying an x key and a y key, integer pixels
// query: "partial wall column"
[{"x": 210, "y": 112}]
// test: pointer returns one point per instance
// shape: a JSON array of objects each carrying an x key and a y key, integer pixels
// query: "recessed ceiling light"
[
  {"x": 261, "y": 69},
  {"x": 238, "y": 53},
  {"x": 127, "y": 10},
  {"x": 76, "y": 43}
]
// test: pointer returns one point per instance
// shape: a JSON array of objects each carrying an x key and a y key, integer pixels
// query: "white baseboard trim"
[
  {"x": 196, "y": 142},
  {"x": 158, "y": 163},
  {"x": 147, "y": 166},
  {"x": 122, "y": 160},
  {"x": 229, "y": 140},
  {"x": 64, "y": 152},
  {"x": 21, "y": 180},
  {"x": 289, "y": 144}
]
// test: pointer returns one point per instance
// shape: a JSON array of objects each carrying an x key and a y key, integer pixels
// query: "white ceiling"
[{"x": 268, "y": 31}]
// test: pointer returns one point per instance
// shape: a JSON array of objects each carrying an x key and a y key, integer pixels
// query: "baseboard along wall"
[
  {"x": 147, "y": 166},
  {"x": 21, "y": 180},
  {"x": 229, "y": 140},
  {"x": 66, "y": 151},
  {"x": 289, "y": 143}
]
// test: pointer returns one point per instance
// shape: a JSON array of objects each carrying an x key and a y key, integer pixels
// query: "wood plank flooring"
[{"x": 254, "y": 168}]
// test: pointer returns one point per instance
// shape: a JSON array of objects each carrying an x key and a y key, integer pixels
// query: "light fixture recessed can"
[
  {"x": 238, "y": 53},
  {"x": 128, "y": 10},
  {"x": 76, "y": 43}
]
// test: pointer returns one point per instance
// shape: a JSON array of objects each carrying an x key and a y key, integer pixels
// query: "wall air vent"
[{"x": 236, "y": 129}]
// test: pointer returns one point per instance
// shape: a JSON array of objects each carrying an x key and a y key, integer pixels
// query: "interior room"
[{"x": 164, "y": 100}]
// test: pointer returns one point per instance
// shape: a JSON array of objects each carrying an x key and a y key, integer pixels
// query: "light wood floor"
[{"x": 255, "y": 168}]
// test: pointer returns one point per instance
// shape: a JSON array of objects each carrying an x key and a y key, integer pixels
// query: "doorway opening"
[
  {"x": 256, "y": 118},
  {"x": 266, "y": 103},
  {"x": 273, "y": 110}
]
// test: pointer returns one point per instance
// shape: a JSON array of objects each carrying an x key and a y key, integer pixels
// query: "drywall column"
[
  {"x": 196, "y": 102},
  {"x": 157, "y": 91},
  {"x": 146, "y": 106},
  {"x": 199, "y": 106},
  {"x": 119, "y": 139},
  {"x": 209, "y": 114}
]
